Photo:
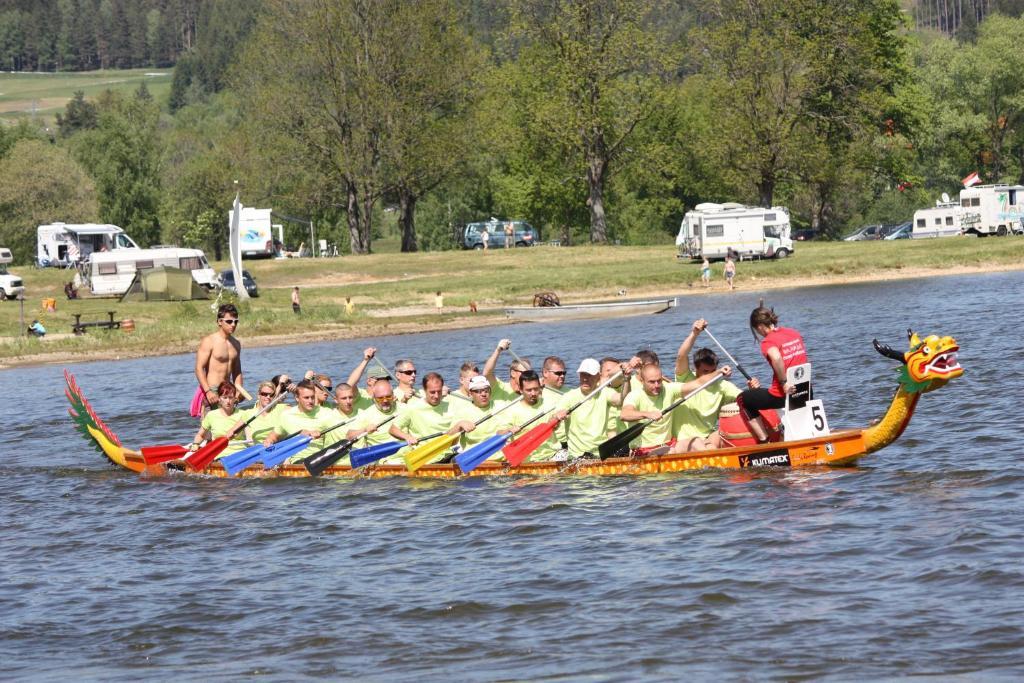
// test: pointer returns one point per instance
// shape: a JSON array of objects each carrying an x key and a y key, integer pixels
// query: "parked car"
[
  {"x": 11, "y": 285},
  {"x": 904, "y": 231},
  {"x": 525, "y": 234},
  {"x": 227, "y": 281},
  {"x": 870, "y": 232},
  {"x": 804, "y": 235}
]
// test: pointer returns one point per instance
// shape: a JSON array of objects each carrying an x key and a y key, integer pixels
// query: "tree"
[
  {"x": 79, "y": 114},
  {"x": 40, "y": 183},
  {"x": 600, "y": 66}
]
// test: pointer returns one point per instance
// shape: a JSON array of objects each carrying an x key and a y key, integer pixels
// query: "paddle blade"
[
  {"x": 364, "y": 456},
  {"x": 279, "y": 452},
  {"x": 155, "y": 455},
  {"x": 321, "y": 460},
  {"x": 236, "y": 462},
  {"x": 620, "y": 441},
  {"x": 520, "y": 449},
  {"x": 201, "y": 459},
  {"x": 471, "y": 458},
  {"x": 429, "y": 450}
]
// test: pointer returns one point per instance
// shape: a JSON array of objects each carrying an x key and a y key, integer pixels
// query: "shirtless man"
[{"x": 219, "y": 359}]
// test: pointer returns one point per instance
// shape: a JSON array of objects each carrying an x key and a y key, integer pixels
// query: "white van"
[
  {"x": 110, "y": 273},
  {"x": 710, "y": 230},
  {"x": 65, "y": 244},
  {"x": 998, "y": 209},
  {"x": 256, "y": 232},
  {"x": 11, "y": 285}
]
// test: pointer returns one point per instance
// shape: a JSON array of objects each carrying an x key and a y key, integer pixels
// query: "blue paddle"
[
  {"x": 281, "y": 451},
  {"x": 469, "y": 459},
  {"x": 364, "y": 456}
]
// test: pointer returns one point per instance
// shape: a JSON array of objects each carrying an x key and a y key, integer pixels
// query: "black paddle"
[
  {"x": 617, "y": 442},
  {"x": 318, "y": 462},
  {"x": 728, "y": 355}
]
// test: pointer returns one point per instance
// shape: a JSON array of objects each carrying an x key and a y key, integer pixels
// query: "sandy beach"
[{"x": 378, "y": 325}]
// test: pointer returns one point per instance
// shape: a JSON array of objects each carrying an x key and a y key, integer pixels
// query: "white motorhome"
[
  {"x": 947, "y": 218},
  {"x": 65, "y": 244},
  {"x": 256, "y": 232},
  {"x": 710, "y": 230},
  {"x": 11, "y": 285},
  {"x": 110, "y": 273},
  {"x": 998, "y": 209}
]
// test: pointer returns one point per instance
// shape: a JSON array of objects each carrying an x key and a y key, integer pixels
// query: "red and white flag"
[{"x": 972, "y": 179}]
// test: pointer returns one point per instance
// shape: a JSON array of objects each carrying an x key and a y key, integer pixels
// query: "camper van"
[
  {"x": 998, "y": 209},
  {"x": 710, "y": 230},
  {"x": 110, "y": 273},
  {"x": 256, "y": 232},
  {"x": 11, "y": 286},
  {"x": 64, "y": 244},
  {"x": 947, "y": 218}
]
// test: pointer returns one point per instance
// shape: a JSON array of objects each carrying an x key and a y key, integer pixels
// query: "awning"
[{"x": 93, "y": 229}]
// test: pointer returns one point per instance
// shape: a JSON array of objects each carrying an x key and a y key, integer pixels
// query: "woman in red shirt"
[{"x": 783, "y": 347}]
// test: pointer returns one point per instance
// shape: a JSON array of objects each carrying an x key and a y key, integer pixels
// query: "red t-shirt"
[{"x": 791, "y": 345}]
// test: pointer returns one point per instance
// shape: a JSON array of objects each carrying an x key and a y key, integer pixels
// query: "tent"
[{"x": 163, "y": 283}]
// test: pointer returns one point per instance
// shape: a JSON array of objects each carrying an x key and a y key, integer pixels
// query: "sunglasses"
[
  {"x": 406, "y": 372},
  {"x": 328, "y": 387},
  {"x": 384, "y": 399},
  {"x": 266, "y": 393},
  {"x": 229, "y": 321},
  {"x": 557, "y": 373}
]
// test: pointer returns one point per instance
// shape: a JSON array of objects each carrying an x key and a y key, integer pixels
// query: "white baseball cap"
[
  {"x": 590, "y": 366},
  {"x": 479, "y": 382}
]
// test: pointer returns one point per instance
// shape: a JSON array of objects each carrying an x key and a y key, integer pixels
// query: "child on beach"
[
  {"x": 730, "y": 270},
  {"x": 705, "y": 273}
]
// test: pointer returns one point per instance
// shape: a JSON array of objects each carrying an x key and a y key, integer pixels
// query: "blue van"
[{"x": 524, "y": 234}]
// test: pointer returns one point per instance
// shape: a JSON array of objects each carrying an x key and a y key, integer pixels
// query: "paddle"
[
  {"x": 469, "y": 459},
  {"x": 321, "y": 387},
  {"x": 318, "y": 462},
  {"x": 728, "y": 355},
  {"x": 364, "y": 456},
  {"x": 277, "y": 453},
  {"x": 521, "y": 448},
  {"x": 429, "y": 450},
  {"x": 612, "y": 445},
  {"x": 199, "y": 460}
]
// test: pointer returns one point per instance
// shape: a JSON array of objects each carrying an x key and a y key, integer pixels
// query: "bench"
[{"x": 79, "y": 327}]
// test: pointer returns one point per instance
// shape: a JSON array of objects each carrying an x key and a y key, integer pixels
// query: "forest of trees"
[{"x": 595, "y": 120}]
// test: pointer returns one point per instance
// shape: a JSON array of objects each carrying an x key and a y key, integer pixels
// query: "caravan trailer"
[
  {"x": 947, "y": 218},
  {"x": 11, "y": 286},
  {"x": 65, "y": 244},
  {"x": 993, "y": 209},
  {"x": 710, "y": 230},
  {"x": 110, "y": 273}
]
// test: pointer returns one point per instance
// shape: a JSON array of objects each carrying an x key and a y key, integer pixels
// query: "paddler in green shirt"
[
  {"x": 384, "y": 406},
  {"x": 535, "y": 401},
  {"x": 364, "y": 398},
  {"x": 501, "y": 390},
  {"x": 222, "y": 421},
  {"x": 305, "y": 418},
  {"x": 465, "y": 415},
  {"x": 422, "y": 418},
  {"x": 696, "y": 421},
  {"x": 258, "y": 429},
  {"x": 586, "y": 426},
  {"x": 344, "y": 399}
]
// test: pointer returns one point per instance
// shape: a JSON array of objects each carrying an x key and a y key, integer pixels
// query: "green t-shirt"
[
  {"x": 698, "y": 416},
  {"x": 264, "y": 424},
  {"x": 338, "y": 434},
  {"x": 374, "y": 416},
  {"x": 585, "y": 428},
  {"x": 659, "y": 431},
  {"x": 502, "y": 391},
  {"x": 421, "y": 419},
  {"x": 294, "y": 420},
  {"x": 218, "y": 424},
  {"x": 521, "y": 413},
  {"x": 470, "y": 411}
]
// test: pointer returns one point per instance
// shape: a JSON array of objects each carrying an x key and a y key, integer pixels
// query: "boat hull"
[{"x": 615, "y": 309}]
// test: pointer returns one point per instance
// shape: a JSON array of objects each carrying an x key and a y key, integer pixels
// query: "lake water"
[{"x": 910, "y": 564}]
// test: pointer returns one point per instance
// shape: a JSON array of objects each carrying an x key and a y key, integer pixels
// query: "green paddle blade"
[
  {"x": 429, "y": 450},
  {"x": 617, "y": 442}
]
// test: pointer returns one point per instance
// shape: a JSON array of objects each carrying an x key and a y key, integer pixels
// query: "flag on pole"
[
  {"x": 235, "y": 248},
  {"x": 972, "y": 179}
]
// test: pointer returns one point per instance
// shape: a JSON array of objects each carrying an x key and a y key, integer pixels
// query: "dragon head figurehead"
[{"x": 928, "y": 365}]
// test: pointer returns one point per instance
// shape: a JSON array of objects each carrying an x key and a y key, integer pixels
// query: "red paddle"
[
  {"x": 520, "y": 449},
  {"x": 155, "y": 455}
]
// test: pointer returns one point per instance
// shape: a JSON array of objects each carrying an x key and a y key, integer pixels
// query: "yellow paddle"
[{"x": 423, "y": 453}]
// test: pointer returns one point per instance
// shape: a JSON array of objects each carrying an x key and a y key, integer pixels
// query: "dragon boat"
[{"x": 928, "y": 365}]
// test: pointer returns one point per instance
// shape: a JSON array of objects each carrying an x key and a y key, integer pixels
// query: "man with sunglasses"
[
  {"x": 536, "y": 401},
  {"x": 218, "y": 359},
  {"x": 405, "y": 373},
  {"x": 465, "y": 415},
  {"x": 385, "y": 406},
  {"x": 553, "y": 376}
]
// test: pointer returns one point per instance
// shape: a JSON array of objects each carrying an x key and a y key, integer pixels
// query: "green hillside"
[{"x": 45, "y": 94}]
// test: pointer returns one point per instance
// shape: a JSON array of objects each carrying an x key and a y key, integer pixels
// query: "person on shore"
[
  {"x": 501, "y": 390},
  {"x": 485, "y": 239},
  {"x": 439, "y": 302},
  {"x": 350, "y": 308},
  {"x": 696, "y": 421},
  {"x": 405, "y": 373},
  {"x": 222, "y": 421},
  {"x": 218, "y": 359},
  {"x": 259, "y": 428},
  {"x": 510, "y": 232},
  {"x": 306, "y": 417},
  {"x": 296, "y": 306},
  {"x": 36, "y": 329},
  {"x": 783, "y": 348},
  {"x": 730, "y": 271},
  {"x": 705, "y": 273},
  {"x": 536, "y": 401}
]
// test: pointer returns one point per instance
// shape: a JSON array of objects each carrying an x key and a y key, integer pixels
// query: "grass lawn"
[
  {"x": 394, "y": 292},
  {"x": 45, "y": 94}
]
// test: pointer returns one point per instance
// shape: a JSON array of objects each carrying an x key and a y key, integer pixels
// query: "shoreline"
[{"x": 494, "y": 317}]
